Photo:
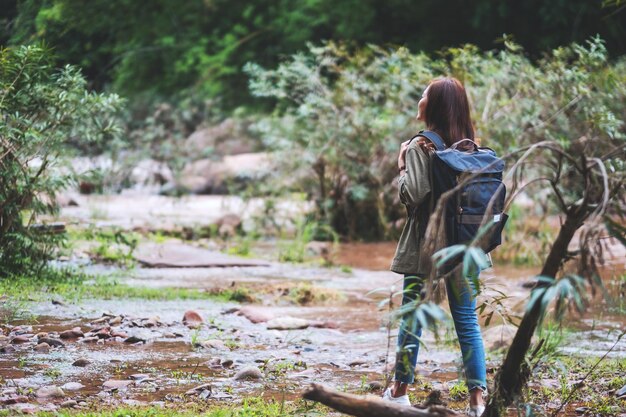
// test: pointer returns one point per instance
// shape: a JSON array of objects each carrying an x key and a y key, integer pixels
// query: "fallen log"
[{"x": 370, "y": 406}]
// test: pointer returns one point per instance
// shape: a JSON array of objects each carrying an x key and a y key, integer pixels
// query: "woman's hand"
[{"x": 401, "y": 157}]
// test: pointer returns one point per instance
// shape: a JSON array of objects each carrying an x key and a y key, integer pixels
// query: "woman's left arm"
[{"x": 414, "y": 181}]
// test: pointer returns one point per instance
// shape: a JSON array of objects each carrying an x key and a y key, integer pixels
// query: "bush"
[
  {"x": 45, "y": 113},
  {"x": 342, "y": 114}
]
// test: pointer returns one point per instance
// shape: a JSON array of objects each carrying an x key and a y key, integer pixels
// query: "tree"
[{"x": 41, "y": 109}]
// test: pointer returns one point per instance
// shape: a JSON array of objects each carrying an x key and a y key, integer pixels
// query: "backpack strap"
[{"x": 434, "y": 138}]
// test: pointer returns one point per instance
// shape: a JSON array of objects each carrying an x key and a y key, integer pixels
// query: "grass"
[
  {"x": 250, "y": 407},
  {"x": 595, "y": 393},
  {"x": 74, "y": 286}
]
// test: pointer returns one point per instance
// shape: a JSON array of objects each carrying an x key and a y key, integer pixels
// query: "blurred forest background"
[{"x": 271, "y": 98}]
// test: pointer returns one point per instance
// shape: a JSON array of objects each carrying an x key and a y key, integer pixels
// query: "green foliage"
[
  {"x": 44, "y": 112},
  {"x": 167, "y": 46},
  {"x": 341, "y": 115}
]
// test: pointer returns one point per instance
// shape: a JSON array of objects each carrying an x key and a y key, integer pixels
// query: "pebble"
[
  {"x": 51, "y": 391},
  {"x": 52, "y": 342},
  {"x": 7, "y": 349},
  {"x": 82, "y": 362},
  {"x": 139, "y": 377},
  {"x": 287, "y": 323},
  {"x": 621, "y": 392},
  {"x": 14, "y": 399},
  {"x": 192, "y": 318},
  {"x": 72, "y": 386},
  {"x": 214, "y": 344},
  {"x": 92, "y": 339},
  {"x": 42, "y": 348},
  {"x": 20, "y": 339},
  {"x": 374, "y": 386},
  {"x": 69, "y": 404},
  {"x": 134, "y": 339},
  {"x": 251, "y": 372},
  {"x": 75, "y": 333},
  {"x": 198, "y": 389},
  {"x": 116, "y": 384},
  {"x": 255, "y": 314},
  {"x": 227, "y": 363}
]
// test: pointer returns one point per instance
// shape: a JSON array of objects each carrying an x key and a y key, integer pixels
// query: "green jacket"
[{"x": 415, "y": 189}]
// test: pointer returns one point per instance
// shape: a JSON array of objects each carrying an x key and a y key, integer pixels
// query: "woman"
[{"x": 444, "y": 108}]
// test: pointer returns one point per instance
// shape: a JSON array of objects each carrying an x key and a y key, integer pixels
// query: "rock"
[
  {"x": 199, "y": 389},
  {"x": 50, "y": 392},
  {"x": 115, "y": 321},
  {"x": 18, "y": 340},
  {"x": 192, "y": 319},
  {"x": 151, "y": 322},
  {"x": 42, "y": 348},
  {"x": 24, "y": 408},
  {"x": 256, "y": 314},
  {"x": 323, "y": 324},
  {"x": 7, "y": 349},
  {"x": 52, "y": 342},
  {"x": 374, "y": 386},
  {"x": 134, "y": 339},
  {"x": 139, "y": 377},
  {"x": 227, "y": 363},
  {"x": 249, "y": 373},
  {"x": 72, "y": 334},
  {"x": 101, "y": 320},
  {"x": 150, "y": 172},
  {"x": 41, "y": 334},
  {"x": 82, "y": 362},
  {"x": 58, "y": 303},
  {"x": 209, "y": 176},
  {"x": 92, "y": 339},
  {"x": 69, "y": 404},
  {"x": 116, "y": 333},
  {"x": 214, "y": 344},
  {"x": 13, "y": 399},
  {"x": 72, "y": 386},
  {"x": 116, "y": 384},
  {"x": 228, "y": 224},
  {"x": 287, "y": 323},
  {"x": 225, "y": 138},
  {"x": 357, "y": 362},
  {"x": 621, "y": 392}
]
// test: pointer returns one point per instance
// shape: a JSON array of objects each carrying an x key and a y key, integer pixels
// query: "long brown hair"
[{"x": 447, "y": 110}]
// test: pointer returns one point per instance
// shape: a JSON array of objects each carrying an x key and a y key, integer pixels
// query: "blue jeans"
[{"x": 462, "y": 301}]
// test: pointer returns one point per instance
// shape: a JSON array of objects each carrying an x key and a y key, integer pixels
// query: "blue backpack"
[{"x": 480, "y": 197}]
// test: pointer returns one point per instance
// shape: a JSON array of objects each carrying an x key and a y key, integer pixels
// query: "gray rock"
[
  {"x": 621, "y": 392},
  {"x": 116, "y": 384},
  {"x": 214, "y": 344},
  {"x": 69, "y": 404},
  {"x": 199, "y": 389},
  {"x": 139, "y": 377},
  {"x": 51, "y": 391},
  {"x": 7, "y": 349},
  {"x": 287, "y": 323},
  {"x": 82, "y": 362},
  {"x": 42, "y": 348},
  {"x": 52, "y": 342},
  {"x": 72, "y": 386},
  {"x": 248, "y": 373}
]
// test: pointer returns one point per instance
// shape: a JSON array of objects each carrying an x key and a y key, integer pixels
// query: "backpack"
[{"x": 484, "y": 191}]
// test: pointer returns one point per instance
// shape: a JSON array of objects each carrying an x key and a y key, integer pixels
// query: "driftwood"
[{"x": 370, "y": 406}]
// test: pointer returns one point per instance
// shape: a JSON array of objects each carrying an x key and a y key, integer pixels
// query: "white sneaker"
[
  {"x": 401, "y": 400},
  {"x": 476, "y": 410}
]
